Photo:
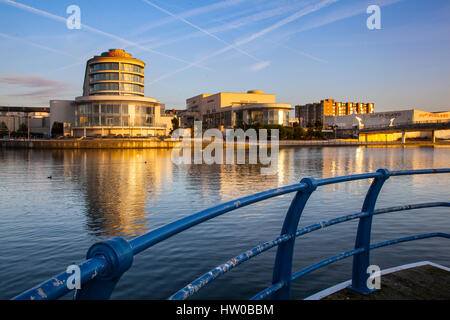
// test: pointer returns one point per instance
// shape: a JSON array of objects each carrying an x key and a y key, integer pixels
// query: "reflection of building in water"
[{"x": 117, "y": 185}]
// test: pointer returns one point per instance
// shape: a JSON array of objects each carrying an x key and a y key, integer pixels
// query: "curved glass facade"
[
  {"x": 115, "y": 78},
  {"x": 105, "y": 76},
  {"x": 131, "y": 67},
  {"x": 104, "y": 66},
  {"x": 114, "y": 115},
  {"x": 269, "y": 117},
  {"x": 131, "y": 77}
]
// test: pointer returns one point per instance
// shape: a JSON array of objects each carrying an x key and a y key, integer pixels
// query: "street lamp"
[{"x": 335, "y": 126}]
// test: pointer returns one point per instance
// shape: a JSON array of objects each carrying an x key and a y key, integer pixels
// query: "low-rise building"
[
  {"x": 36, "y": 119},
  {"x": 229, "y": 109},
  {"x": 350, "y": 125}
]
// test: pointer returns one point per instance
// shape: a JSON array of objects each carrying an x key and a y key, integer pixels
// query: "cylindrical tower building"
[
  {"x": 113, "y": 102},
  {"x": 114, "y": 73}
]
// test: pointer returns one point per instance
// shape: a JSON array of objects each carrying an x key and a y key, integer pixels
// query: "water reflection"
[
  {"x": 96, "y": 194},
  {"x": 121, "y": 189},
  {"x": 117, "y": 186}
]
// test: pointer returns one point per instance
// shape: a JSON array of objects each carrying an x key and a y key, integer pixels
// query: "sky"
[{"x": 302, "y": 51}]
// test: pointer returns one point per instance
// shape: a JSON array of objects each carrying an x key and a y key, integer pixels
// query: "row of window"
[
  {"x": 123, "y": 109},
  {"x": 269, "y": 117},
  {"x": 115, "y": 66},
  {"x": 265, "y": 116},
  {"x": 114, "y": 121},
  {"x": 117, "y": 86},
  {"x": 90, "y": 115},
  {"x": 115, "y": 76}
]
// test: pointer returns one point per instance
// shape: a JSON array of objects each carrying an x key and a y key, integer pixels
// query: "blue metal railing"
[{"x": 108, "y": 260}]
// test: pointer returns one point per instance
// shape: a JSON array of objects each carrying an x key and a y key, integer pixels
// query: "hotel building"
[
  {"x": 228, "y": 109},
  {"x": 113, "y": 101},
  {"x": 312, "y": 112}
]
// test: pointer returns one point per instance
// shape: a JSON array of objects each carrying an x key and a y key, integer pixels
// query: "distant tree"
[
  {"x": 23, "y": 130},
  {"x": 175, "y": 124},
  {"x": 318, "y": 125},
  {"x": 57, "y": 129}
]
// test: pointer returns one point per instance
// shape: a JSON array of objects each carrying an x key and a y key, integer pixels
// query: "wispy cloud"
[
  {"x": 210, "y": 34},
  {"x": 37, "y": 45},
  {"x": 259, "y": 66},
  {"x": 46, "y": 88},
  {"x": 238, "y": 23},
  {"x": 97, "y": 31},
  {"x": 254, "y": 36},
  {"x": 338, "y": 15},
  {"x": 190, "y": 13}
]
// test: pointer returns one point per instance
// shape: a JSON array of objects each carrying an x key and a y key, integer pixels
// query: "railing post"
[
  {"x": 361, "y": 261},
  {"x": 283, "y": 262},
  {"x": 119, "y": 254}
]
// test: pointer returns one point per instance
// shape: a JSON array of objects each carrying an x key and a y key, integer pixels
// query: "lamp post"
[
  {"x": 28, "y": 126},
  {"x": 335, "y": 126}
]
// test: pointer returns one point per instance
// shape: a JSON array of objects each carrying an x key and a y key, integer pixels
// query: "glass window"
[
  {"x": 131, "y": 77},
  {"x": 104, "y": 66},
  {"x": 105, "y": 76},
  {"x": 105, "y": 86},
  {"x": 130, "y": 67}
]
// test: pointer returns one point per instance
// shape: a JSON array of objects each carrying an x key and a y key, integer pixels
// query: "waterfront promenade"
[{"x": 169, "y": 144}]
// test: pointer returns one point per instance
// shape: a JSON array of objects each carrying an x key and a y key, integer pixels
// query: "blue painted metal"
[
  {"x": 56, "y": 287},
  {"x": 283, "y": 261},
  {"x": 213, "y": 274},
  {"x": 269, "y": 291},
  {"x": 119, "y": 256},
  {"x": 361, "y": 260},
  {"x": 202, "y": 281},
  {"x": 108, "y": 260}
]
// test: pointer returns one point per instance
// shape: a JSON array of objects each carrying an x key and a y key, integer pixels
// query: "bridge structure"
[
  {"x": 108, "y": 260},
  {"x": 432, "y": 126}
]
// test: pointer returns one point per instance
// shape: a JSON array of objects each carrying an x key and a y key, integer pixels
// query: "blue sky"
[{"x": 302, "y": 51}]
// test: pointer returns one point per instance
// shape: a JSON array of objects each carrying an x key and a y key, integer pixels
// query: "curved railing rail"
[{"x": 108, "y": 260}]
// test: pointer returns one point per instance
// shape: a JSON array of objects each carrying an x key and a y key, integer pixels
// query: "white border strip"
[{"x": 324, "y": 293}]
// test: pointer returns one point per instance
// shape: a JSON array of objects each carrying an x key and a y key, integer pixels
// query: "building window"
[
  {"x": 115, "y": 115},
  {"x": 104, "y": 66},
  {"x": 105, "y": 76},
  {"x": 131, "y": 67}
]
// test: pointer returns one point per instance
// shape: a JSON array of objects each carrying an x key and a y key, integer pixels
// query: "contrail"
[
  {"x": 97, "y": 31},
  {"x": 37, "y": 45},
  {"x": 191, "y": 13},
  {"x": 201, "y": 30},
  {"x": 235, "y": 24},
  {"x": 338, "y": 15},
  {"x": 256, "y": 35}
]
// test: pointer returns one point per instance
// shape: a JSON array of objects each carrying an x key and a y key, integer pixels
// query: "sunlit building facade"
[
  {"x": 313, "y": 112},
  {"x": 228, "y": 109},
  {"x": 113, "y": 101}
]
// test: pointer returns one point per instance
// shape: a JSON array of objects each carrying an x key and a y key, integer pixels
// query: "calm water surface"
[{"x": 48, "y": 224}]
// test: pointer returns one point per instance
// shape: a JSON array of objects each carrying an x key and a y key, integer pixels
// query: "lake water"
[{"x": 48, "y": 224}]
